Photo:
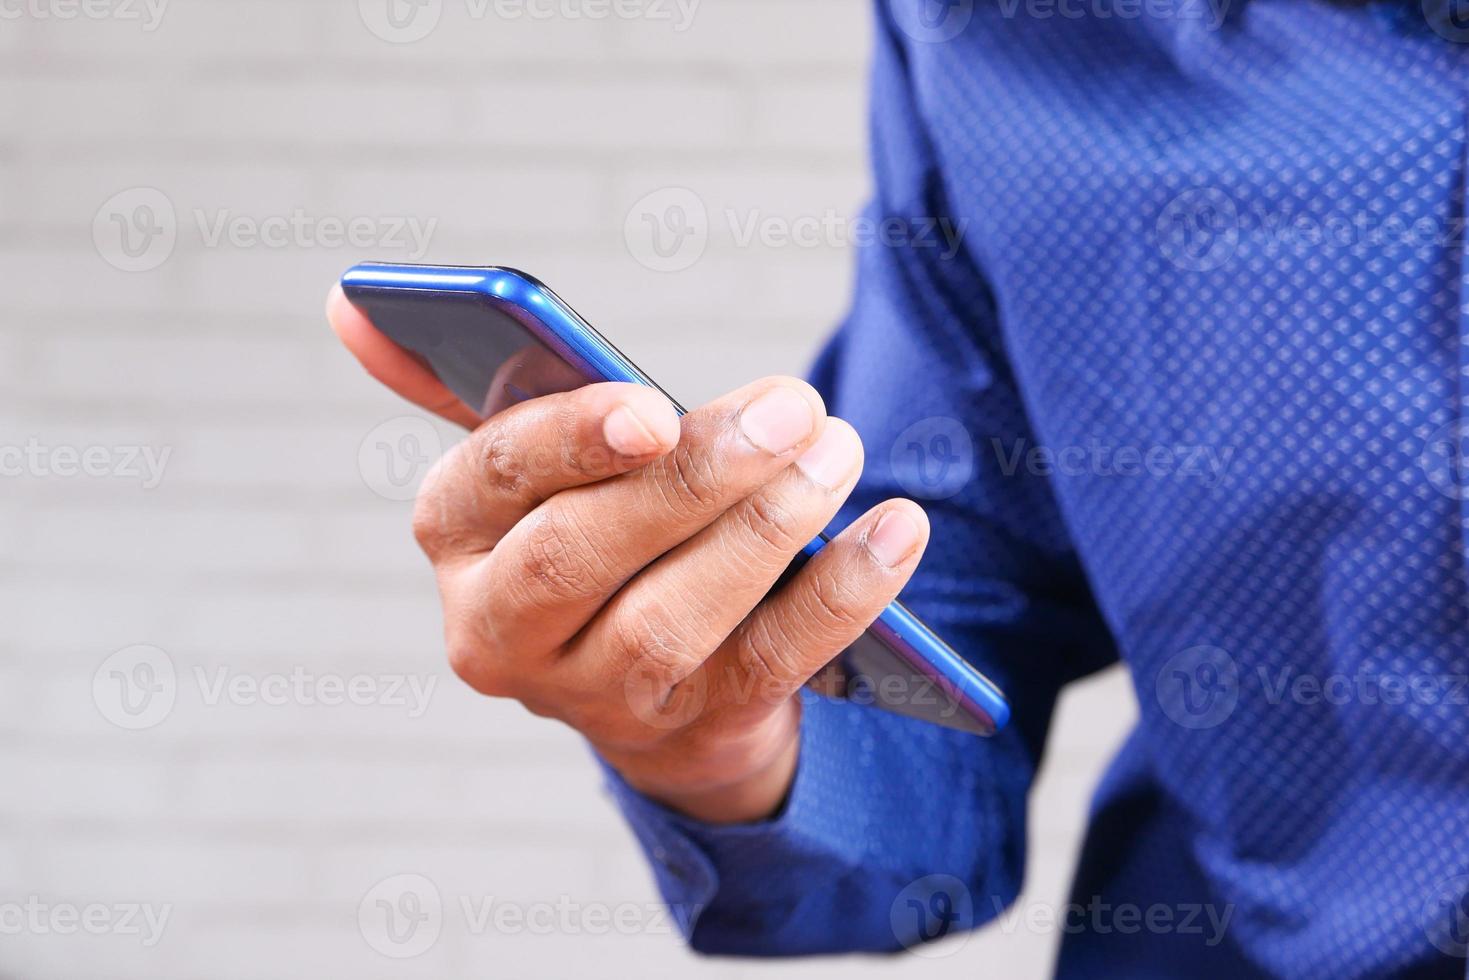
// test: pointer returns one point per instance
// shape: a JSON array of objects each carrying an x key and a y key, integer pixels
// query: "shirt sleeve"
[{"x": 897, "y": 831}]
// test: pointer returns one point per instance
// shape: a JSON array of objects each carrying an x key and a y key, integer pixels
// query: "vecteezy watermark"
[
  {"x": 37, "y": 917},
  {"x": 833, "y": 229},
  {"x": 933, "y": 458},
  {"x": 138, "y": 687},
  {"x": 301, "y": 229},
  {"x": 401, "y": 916},
  {"x": 1207, "y": 464},
  {"x": 147, "y": 14},
  {"x": 1211, "y": 13},
  {"x": 666, "y": 705},
  {"x": 1445, "y": 916},
  {"x": 931, "y": 908},
  {"x": 933, "y": 21},
  {"x": 404, "y": 915},
  {"x": 940, "y": 905},
  {"x": 37, "y": 460},
  {"x": 668, "y": 230},
  {"x": 938, "y": 21},
  {"x": 397, "y": 454},
  {"x": 1204, "y": 920},
  {"x": 407, "y": 21},
  {"x": 1449, "y": 19},
  {"x": 658, "y": 704},
  {"x": 1200, "y": 687},
  {"x": 1366, "y": 685},
  {"x": 1202, "y": 228},
  {"x": 1445, "y": 460},
  {"x": 309, "y": 689},
  {"x": 137, "y": 230},
  {"x": 1198, "y": 230}
]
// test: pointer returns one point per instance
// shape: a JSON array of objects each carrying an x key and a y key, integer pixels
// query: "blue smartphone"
[{"x": 495, "y": 337}]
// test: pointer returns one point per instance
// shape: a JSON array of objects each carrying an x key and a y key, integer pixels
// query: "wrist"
[{"x": 746, "y": 779}]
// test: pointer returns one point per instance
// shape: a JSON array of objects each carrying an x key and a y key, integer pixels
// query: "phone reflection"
[{"x": 530, "y": 372}]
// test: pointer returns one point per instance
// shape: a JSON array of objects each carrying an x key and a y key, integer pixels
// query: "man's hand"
[{"x": 608, "y": 564}]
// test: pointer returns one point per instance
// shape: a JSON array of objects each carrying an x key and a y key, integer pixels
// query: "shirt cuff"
[{"x": 749, "y": 865}]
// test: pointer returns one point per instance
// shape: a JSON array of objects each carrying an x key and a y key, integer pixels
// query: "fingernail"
[
  {"x": 893, "y": 539},
  {"x": 831, "y": 460},
  {"x": 778, "y": 420},
  {"x": 627, "y": 434}
]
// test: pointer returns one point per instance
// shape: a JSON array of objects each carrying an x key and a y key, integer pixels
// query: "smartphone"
[{"x": 495, "y": 337}]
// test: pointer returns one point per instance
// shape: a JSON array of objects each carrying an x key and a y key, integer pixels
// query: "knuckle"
[
  {"x": 428, "y": 524},
  {"x": 472, "y": 665},
  {"x": 690, "y": 483},
  {"x": 833, "y": 602},
  {"x": 764, "y": 653},
  {"x": 556, "y": 558},
  {"x": 500, "y": 465},
  {"x": 431, "y": 508},
  {"x": 645, "y": 643},
  {"x": 769, "y": 522},
  {"x": 586, "y": 460}
]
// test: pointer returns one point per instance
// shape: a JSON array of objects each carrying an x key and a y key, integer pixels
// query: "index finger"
[{"x": 531, "y": 451}]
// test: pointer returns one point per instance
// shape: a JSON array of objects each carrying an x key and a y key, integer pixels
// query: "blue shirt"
[{"x": 1190, "y": 392}]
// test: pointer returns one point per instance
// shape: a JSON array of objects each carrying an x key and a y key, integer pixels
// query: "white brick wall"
[{"x": 262, "y": 552}]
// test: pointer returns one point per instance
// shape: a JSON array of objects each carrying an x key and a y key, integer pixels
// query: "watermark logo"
[
  {"x": 135, "y": 230},
  {"x": 308, "y": 689},
  {"x": 298, "y": 229},
  {"x": 667, "y": 230},
  {"x": 1366, "y": 686},
  {"x": 37, "y": 917},
  {"x": 1449, "y": 19},
  {"x": 1199, "y": 229},
  {"x": 407, "y": 21},
  {"x": 1202, "y": 686},
  {"x": 656, "y": 704},
  {"x": 1202, "y": 228},
  {"x": 135, "y": 688},
  {"x": 148, "y": 14},
  {"x": 660, "y": 705},
  {"x": 139, "y": 687},
  {"x": 1198, "y": 688},
  {"x": 401, "y": 917},
  {"x": 142, "y": 464},
  {"x": 405, "y": 915},
  {"x": 833, "y": 229},
  {"x": 1207, "y": 464},
  {"x": 1206, "y": 921},
  {"x": 1445, "y": 460},
  {"x": 1210, "y": 13},
  {"x": 400, "y": 21},
  {"x": 933, "y": 459},
  {"x": 1446, "y": 916},
  {"x": 931, "y": 908},
  {"x": 933, "y": 21},
  {"x": 396, "y": 455}
]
